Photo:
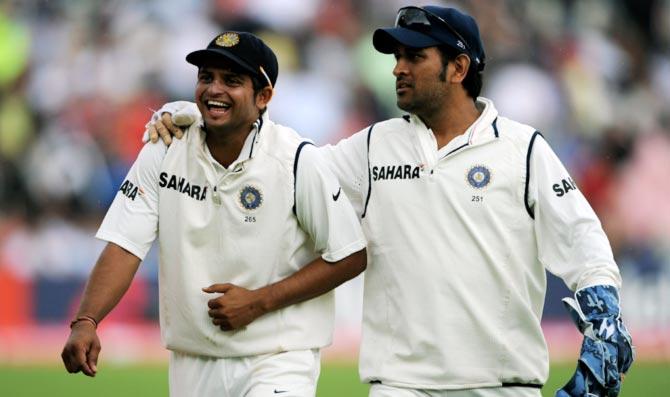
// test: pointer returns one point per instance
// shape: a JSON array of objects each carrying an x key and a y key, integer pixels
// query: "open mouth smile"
[{"x": 217, "y": 106}]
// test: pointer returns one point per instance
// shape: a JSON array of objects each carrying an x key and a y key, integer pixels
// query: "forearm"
[
  {"x": 316, "y": 278},
  {"x": 108, "y": 282}
]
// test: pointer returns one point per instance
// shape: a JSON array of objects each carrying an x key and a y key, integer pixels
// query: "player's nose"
[
  {"x": 217, "y": 86},
  {"x": 400, "y": 67}
]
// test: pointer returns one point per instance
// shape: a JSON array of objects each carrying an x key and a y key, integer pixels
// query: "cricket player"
[
  {"x": 463, "y": 210},
  {"x": 254, "y": 231}
]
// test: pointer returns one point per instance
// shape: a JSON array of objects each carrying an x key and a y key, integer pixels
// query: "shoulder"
[
  {"x": 282, "y": 143},
  {"x": 521, "y": 138},
  {"x": 515, "y": 131},
  {"x": 392, "y": 126},
  {"x": 154, "y": 153},
  {"x": 310, "y": 155}
]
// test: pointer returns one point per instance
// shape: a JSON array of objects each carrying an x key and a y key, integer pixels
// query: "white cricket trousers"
[
  {"x": 379, "y": 390},
  {"x": 286, "y": 374}
]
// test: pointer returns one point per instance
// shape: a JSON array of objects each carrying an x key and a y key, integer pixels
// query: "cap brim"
[
  {"x": 386, "y": 40},
  {"x": 201, "y": 57}
]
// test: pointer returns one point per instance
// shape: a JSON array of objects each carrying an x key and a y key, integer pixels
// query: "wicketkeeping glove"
[
  {"x": 183, "y": 113},
  {"x": 607, "y": 350}
]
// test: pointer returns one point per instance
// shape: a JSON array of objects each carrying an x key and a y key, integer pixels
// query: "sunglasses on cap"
[{"x": 416, "y": 18}]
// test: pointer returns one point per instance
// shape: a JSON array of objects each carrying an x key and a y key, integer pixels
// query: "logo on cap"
[{"x": 227, "y": 39}]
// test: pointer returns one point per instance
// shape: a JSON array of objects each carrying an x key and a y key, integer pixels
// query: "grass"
[{"x": 644, "y": 379}]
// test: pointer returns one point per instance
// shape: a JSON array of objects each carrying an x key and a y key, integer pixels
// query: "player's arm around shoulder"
[
  {"x": 323, "y": 212},
  {"x": 348, "y": 162},
  {"x": 171, "y": 120},
  {"x": 323, "y": 207}
]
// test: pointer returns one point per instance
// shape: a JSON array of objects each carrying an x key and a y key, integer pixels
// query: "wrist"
[
  {"x": 84, "y": 319},
  {"x": 266, "y": 299},
  {"x": 598, "y": 301}
]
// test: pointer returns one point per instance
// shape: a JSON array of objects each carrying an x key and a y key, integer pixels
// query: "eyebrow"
[
  {"x": 409, "y": 51},
  {"x": 226, "y": 71},
  {"x": 413, "y": 50}
]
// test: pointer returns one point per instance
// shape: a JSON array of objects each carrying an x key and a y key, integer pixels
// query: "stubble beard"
[{"x": 418, "y": 106}]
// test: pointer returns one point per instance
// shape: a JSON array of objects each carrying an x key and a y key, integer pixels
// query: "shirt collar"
[
  {"x": 483, "y": 129},
  {"x": 249, "y": 148},
  {"x": 251, "y": 143}
]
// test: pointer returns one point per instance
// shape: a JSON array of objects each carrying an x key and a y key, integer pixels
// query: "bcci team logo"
[
  {"x": 250, "y": 198},
  {"x": 479, "y": 176},
  {"x": 228, "y": 39}
]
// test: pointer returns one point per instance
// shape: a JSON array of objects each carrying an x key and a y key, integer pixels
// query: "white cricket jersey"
[
  {"x": 458, "y": 243},
  {"x": 236, "y": 225}
]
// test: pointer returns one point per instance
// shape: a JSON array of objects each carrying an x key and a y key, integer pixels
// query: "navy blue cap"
[
  {"x": 421, "y": 27},
  {"x": 243, "y": 49}
]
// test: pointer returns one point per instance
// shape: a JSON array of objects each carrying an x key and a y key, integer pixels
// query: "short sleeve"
[
  {"x": 323, "y": 208},
  {"x": 571, "y": 241},
  {"x": 132, "y": 220},
  {"x": 348, "y": 161}
]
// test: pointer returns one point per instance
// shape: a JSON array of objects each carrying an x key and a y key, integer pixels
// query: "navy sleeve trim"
[
  {"x": 519, "y": 384},
  {"x": 367, "y": 199},
  {"x": 295, "y": 170},
  {"x": 525, "y": 195}
]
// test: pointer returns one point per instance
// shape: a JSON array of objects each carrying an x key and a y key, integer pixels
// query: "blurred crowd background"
[{"x": 79, "y": 80}]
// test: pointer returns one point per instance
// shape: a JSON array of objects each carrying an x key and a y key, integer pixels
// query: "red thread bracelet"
[{"x": 84, "y": 318}]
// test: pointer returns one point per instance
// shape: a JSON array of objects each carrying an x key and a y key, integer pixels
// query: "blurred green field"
[{"x": 337, "y": 380}]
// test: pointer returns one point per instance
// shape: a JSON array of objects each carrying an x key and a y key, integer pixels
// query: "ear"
[
  {"x": 461, "y": 66},
  {"x": 263, "y": 97}
]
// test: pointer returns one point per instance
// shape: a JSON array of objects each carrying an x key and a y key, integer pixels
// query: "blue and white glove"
[{"x": 607, "y": 350}]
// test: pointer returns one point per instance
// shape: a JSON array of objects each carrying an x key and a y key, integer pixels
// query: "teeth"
[{"x": 218, "y": 103}]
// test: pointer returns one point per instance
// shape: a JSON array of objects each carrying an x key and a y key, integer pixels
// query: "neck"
[
  {"x": 226, "y": 146},
  {"x": 451, "y": 120}
]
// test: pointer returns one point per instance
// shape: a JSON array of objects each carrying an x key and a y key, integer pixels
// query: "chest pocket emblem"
[
  {"x": 479, "y": 176},
  {"x": 250, "y": 197}
]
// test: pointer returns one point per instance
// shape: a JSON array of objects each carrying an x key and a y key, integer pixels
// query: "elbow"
[
  {"x": 350, "y": 267},
  {"x": 360, "y": 260}
]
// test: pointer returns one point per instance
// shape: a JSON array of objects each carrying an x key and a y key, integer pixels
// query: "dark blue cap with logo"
[
  {"x": 421, "y": 27},
  {"x": 242, "y": 49}
]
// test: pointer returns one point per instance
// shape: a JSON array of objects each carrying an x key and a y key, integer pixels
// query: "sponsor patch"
[
  {"x": 401, "y": 171},
  {"x": 182, "y": 185}
]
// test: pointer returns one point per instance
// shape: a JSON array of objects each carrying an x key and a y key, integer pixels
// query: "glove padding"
[
  {"x": 183, "y": 114},
  {"x": 607, "y": 350}
]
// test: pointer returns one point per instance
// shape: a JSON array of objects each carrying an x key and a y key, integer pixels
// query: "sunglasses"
[{"x": 416, "y": 18}]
